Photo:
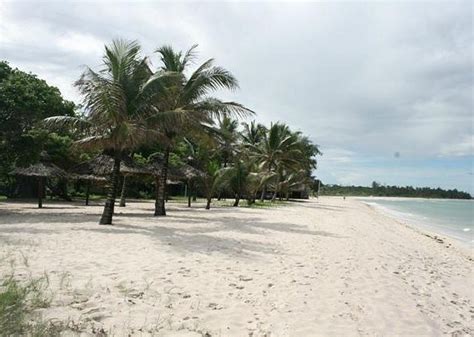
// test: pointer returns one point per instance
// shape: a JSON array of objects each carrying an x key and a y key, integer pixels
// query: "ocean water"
[{"x": 453, "y": 218}]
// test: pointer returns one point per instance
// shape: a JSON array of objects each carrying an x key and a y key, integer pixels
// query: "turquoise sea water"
[{"x": 454, "y": 218}]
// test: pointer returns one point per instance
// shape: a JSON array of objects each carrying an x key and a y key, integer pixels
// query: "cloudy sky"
[{"x": 385, "y": 88}]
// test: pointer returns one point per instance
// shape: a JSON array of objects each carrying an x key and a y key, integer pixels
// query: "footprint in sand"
[{"x": 95, "y": 313}]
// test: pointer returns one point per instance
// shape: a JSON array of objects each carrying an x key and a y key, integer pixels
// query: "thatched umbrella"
[
  {"x": 155, "y": 168},
  {"x": 89, "y": 179},
  {"x": 101, "y": 166},
  {"x": 41, "y": 171},
  {"x": 189, "y": 174}
]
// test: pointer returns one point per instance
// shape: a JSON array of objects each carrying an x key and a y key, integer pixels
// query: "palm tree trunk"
[
  {"x": 264, "y": 191},
  {"x": 160, "y": 199},
  {"x": 157, "y": 192},
  {"x": 237, "y": 199},
  {"x": 276, "y": 188},
  {"x": 108, "y": 212},
  {"x": 124, "y": 192},
  {"x": 208, "y": 205}
]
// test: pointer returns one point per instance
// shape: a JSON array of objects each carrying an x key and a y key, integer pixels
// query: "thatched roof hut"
[
  {"x": 102, "y": 165},
  {"x": 188, "y": 172},
  {"x": 155, "y": 167},
  {"x": 41, "y": 171}
]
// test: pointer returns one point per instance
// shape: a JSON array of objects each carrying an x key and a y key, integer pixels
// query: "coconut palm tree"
[
  {"x": 236, "y": 179},
  {"x": 252, "y": 134},
  {"x": 210, "y": 181},
  {"x": 117, "y": 100},
  {"x": 277, "y": 148},
  {"x": 189, "y": 98},
  {"x": 227, "y": 137},
  {"x": 290, "y": 180}
]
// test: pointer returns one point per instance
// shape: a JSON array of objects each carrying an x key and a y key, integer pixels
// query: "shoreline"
[
  {"x": 423, "y": 229},
  {"x": 326, "y": 267},
  {"x": 420, "y": 222}
]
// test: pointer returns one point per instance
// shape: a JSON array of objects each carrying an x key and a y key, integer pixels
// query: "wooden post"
[
  {"x": 40, "y": 192},
  {"x": 88, "y": 186},
  {"x": 189, "y": 193}
]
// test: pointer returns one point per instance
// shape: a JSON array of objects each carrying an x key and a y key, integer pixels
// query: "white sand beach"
[{"x": 327, "y": 267}]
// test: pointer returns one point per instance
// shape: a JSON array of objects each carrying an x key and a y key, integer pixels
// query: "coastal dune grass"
[{"x": 19, "y": 301}]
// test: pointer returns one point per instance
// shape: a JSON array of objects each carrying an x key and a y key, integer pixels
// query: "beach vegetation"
[
  {"x": 18, "y": 303},
  {"x": 380, "y": 190},
  {"x": 164, "y": 126}
]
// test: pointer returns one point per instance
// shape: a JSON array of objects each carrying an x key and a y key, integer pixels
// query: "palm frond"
[{"x": 69, "y": 122}]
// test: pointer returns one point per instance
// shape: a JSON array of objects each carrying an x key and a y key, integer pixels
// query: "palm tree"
[
  {"x": 188, "y": 98},
  {"x": 292, "y": 179},
  {"x": 227, "y": 136},
  {"x": 235, "y": 178},
  {"x": 117, "y": 100},
  {"x": 277, "y": 148},
  {"x": 252, "y": 134},
  {"x": 210, "y": 180}
]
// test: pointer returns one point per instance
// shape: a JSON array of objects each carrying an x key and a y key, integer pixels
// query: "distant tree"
[
  {"x": 25, "y": 100},
  {"x": 394, "y": 191}
]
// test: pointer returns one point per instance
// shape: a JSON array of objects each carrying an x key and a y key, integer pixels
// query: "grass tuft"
[{"x": 18, "y": 301}]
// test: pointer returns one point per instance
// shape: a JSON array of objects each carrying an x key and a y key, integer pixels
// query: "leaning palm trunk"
[
  {"x": 275, "y": 193},
  {"x": 208, "y": 204},
  {"x": 264, "y": 191},
  {"x": 108, "y": 212},
  {"x": 160, "y": 198}
]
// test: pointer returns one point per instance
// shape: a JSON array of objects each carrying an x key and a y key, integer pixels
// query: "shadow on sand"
[{"x": 209, "y": 231}]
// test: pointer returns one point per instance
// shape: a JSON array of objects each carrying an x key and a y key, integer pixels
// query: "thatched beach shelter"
[
  {"x": 189, "y": 175},
  {"x": 41, "y": 171},
  {"x": 89, "y": 179},
  {"x": 100, "y": 167},
  {"x": 176, "y": 174}
]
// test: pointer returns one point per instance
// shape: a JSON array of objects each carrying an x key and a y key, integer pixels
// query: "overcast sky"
[{"x": 385, "y": 88}]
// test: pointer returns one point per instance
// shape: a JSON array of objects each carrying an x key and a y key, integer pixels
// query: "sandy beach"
[{"x": 327, "y": 267}]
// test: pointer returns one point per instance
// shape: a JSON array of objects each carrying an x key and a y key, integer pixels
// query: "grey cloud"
[{"x": 367, "y": 78}]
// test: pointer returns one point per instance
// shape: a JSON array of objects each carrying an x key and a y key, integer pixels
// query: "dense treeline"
[
  {"x": 393, "y": 191},
  {"x": 163, "y": 119},
  {"x": 25, "y": 100}
]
